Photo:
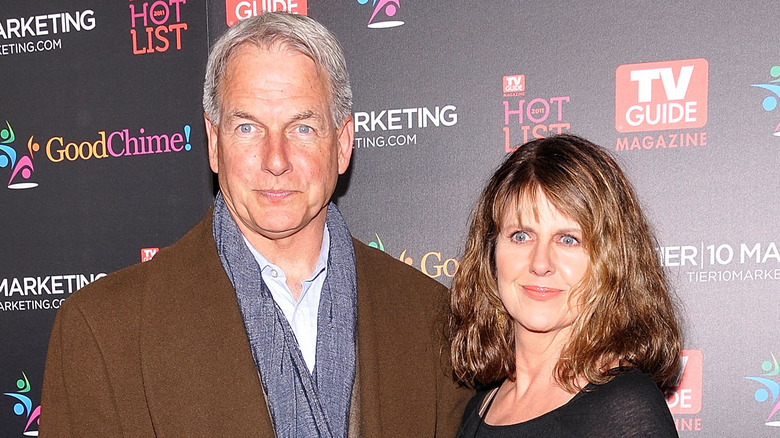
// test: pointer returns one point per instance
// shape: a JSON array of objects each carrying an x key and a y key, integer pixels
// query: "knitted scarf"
[{"x": 301, "y": 404}]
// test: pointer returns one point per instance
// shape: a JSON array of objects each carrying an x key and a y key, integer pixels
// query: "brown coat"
[{"x": 159, "y": 350}]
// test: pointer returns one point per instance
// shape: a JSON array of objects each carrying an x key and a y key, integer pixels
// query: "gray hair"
[{"x": 281, "y": 30}]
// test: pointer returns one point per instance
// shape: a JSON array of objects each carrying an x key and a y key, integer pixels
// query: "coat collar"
[{"x": 197, "y": 365}]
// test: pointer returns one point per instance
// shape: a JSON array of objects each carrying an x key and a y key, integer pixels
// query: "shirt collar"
[{"x": 322, "y": 259}]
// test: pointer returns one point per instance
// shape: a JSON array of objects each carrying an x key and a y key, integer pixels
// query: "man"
[{"x": 267, "y": 318}]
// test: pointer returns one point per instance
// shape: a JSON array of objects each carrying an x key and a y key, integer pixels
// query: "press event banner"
[{"x": 103, "y": 153}]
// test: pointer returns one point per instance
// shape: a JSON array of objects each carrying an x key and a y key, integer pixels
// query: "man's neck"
[{"x": 296, "y": 255}]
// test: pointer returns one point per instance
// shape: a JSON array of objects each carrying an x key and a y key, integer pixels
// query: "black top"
[{"x": 629, "y": 405}]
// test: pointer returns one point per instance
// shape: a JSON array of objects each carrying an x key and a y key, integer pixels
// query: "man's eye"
[
  {"x": 305, "y": 129},
  {"x": 245, "y": 128}
]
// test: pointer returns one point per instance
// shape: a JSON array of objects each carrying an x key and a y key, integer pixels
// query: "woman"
[{"x": 560, "y": 306}]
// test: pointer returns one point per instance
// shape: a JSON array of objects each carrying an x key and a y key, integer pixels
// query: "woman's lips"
[{"x": 541, "y": 293}]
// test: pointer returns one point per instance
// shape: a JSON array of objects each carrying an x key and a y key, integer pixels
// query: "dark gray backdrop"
[{"x": 412, "y": 195}]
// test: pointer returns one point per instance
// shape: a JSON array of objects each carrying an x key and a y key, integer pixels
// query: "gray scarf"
[{"x": 301, "y": 404}]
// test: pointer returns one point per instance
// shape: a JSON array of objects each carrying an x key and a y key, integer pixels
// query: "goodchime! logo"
[
  {"x": 432, "y": 263},
  {"x": 24, "y": 406},
  {"x": 384, "y": 14},
  {"x": 108, "y": 144},
  {"x": 21, "y": 166},
  {"x": 773, "y": 86},
  {"x": 769, "y": 389}
]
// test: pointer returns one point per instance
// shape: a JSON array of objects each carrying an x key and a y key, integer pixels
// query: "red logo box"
[
  {"x": 685, "y": 398},
  {"x": 237, "y": 10},
  {"x": 514, "y": 84},
  {"x": 148, "y": 253},
  {"x": 659, "y": 96}
]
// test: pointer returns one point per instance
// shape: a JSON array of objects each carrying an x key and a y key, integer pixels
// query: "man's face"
[{"x": 276, "y": 150}]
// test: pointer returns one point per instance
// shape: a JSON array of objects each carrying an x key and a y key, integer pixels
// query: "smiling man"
[{"x": 267, "y": 318}]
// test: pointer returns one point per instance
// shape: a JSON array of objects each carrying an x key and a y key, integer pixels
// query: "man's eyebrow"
[
  {"x": 238, "y": 114},
  {"x": 305, "y": 115}
]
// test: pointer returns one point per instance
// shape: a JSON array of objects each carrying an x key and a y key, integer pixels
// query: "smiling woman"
[{"x": 560, "y": 310}]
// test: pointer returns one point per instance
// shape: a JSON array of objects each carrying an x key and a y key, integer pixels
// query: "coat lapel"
[
  {"x": 199, "y": 375},
  {"x": 397, "y": 381}
]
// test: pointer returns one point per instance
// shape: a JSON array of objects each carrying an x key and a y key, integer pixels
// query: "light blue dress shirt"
[{"x": 301, "y": 314}]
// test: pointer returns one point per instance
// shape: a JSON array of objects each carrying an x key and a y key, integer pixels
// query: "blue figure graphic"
[
  {"x": 771, "y": 388},
  {"x": 24, "y": 405},
  {"x": 770, "y": 102}
]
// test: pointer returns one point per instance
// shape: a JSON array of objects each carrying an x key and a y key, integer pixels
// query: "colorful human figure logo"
[
  {"x": 377, "y": 243},
  {"x": 24, "y": 406},
  {"x": 21, "y": 167},
  {"x": 384, "y": 11},
  {"x": 770, "y": 103},
  {"x": 770, "y": 391}
]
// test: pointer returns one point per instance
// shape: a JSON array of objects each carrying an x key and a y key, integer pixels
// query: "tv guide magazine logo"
[{"x": 660, "y": 96}]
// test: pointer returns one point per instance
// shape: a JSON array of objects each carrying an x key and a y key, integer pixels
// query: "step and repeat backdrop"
[{"x": 102, "y": 153}]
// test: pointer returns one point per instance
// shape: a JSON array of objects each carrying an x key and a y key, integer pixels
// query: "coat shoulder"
[{"x": 378, "y": 267}]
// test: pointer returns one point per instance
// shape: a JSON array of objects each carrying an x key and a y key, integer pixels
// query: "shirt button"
[{"x": 274, "y": 274}]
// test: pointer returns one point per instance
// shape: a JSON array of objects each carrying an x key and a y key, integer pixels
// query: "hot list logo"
[
  {"x": 685, "y": 398},
  {"x": 384, "y": 13},
  {"x": 773, "y": 86},
  {"x": 23, "y": 406},
  {"x": 237, "y": 10},
  {"x": 661, "y": 96},
  {"x": 21, "y": 166},
  {"x": 533, "y": 118},
  {"x": 156, "y": 25},
  {"x": 769, "y": 389}
]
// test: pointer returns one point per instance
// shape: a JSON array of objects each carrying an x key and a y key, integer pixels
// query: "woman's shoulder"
[
  {"x": 628, "y": 386},
  {"x": 629, "y": 383},
  {"x": 630, "y": 405},
  {"x": 476, "y": 401}
]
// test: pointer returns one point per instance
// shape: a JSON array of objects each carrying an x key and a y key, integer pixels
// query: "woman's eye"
[
  {"x": 569, "y": 240},
  {"x": 519, "y": 236}
]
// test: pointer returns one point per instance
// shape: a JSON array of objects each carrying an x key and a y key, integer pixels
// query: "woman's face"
[{"x": 538, "y": 262}]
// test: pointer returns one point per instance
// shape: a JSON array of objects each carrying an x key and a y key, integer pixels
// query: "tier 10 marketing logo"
[
  {"x": 21, "y": 166},
  {"x": 384, "y": 14},
  {"x": 23, "y": 406},
  {"x": 769, "y": 391},
  {"x": 773, "y": 86}
]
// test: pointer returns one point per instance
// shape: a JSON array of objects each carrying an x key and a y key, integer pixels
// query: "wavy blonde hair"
[{"x": 627, "y": 314}]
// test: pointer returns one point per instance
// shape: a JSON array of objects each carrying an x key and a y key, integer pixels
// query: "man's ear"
[
  {"x": 211, "y": 136},
  {"x": 345, "y": 138}
]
